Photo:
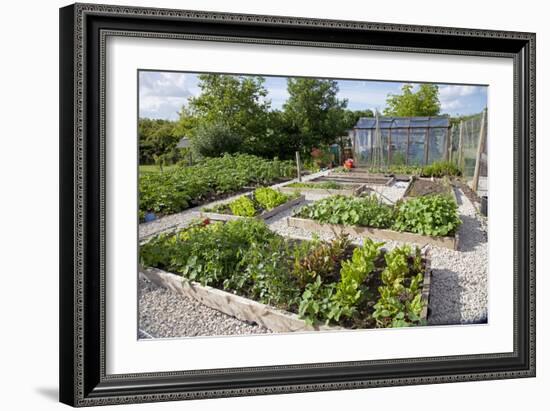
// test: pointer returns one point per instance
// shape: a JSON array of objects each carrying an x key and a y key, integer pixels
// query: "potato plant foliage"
[
  {"x": 183, "y": 187},
  {"x": 331, "y": 282}
]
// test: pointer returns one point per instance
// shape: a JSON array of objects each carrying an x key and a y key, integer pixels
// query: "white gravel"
[
  {"x": 165, "y": 314},
  {"x": 458, "y": 293}
]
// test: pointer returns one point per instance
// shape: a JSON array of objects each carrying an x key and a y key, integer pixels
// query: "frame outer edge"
[
  {"x": 72, "y": 138},
  {"x": 67, "y": 331}
]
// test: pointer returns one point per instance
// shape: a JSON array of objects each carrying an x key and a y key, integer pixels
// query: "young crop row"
[
  {"x": 183, "y": 187},
  {"x": 434, "y": 215},
  {"x": 262, "y": 199},
  {"x": 324, "y": 282}
]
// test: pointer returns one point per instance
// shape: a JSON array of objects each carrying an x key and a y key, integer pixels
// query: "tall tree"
[
  {"x": 313, "y": 111},
  {"x": 157, "y": 141},
  {"x": 239, "y": 101},
  {"x": 424, "y": 102}
]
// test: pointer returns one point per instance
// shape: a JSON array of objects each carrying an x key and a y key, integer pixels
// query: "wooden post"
[
  {"x": 426, "y": 145},
  {"x": 480, "y": 145},
  {"x": 408, "y": 143},
  {"x": 298, "y": 166},
  {"x": 448, "y": 144},
  {"x": 389, "y": 147},
  {"x": 461, "y": 145}
]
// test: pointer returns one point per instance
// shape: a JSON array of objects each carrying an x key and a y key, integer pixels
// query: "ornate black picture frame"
[{"x": 83, "y": 30}]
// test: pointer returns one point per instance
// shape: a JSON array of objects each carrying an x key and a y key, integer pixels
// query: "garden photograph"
[{"x": 273, "y": 204}]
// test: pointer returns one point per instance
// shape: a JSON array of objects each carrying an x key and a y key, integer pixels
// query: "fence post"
[
  {"x": 298, "y": 166},
  {"x": 480, "y": 145},
  {"x": 449, "y": 153},
  {"x": 461, "y": 145}
]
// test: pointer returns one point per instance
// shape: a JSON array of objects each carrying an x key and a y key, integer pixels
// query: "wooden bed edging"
[
  {"x": 406, "y": 196},
  {"x": 370, "y": 232},
  {"x": 360, "y": 178},
  {"x": 426, "y": 283},
  {"x": 264, "y": 216},
  {"x": 328, "y": 191},
  {"x": 234, "y": 305}
]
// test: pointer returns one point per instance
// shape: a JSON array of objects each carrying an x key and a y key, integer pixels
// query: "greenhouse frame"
[{"x": 401, "y": 140}]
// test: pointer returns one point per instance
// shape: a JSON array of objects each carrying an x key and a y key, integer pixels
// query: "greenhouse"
[{"x": 383, "y": 141}]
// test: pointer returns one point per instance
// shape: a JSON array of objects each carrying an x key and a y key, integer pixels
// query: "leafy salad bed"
[
  {"x": 335, "y": 283},
  {"x": 262, "y": 199},
  {"x": 183, "y": 187},
  {"x": 433, "y": 215}
]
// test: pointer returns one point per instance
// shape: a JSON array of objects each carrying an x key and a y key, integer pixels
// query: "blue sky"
[{"x": 162, "y": 94}]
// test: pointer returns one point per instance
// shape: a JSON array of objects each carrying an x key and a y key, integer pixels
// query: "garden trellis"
[{"x": 404, "y": 140}]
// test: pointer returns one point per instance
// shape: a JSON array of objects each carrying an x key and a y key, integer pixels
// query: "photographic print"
[{"x": 272, "y": 204}]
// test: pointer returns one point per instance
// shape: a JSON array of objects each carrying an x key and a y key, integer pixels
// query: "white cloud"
[
  {"x": 451, "y": 91},
  {"x": 161, "y": 94}
]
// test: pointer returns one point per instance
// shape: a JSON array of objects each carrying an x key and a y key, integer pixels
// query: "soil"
[{"x": 421, "y": 188}]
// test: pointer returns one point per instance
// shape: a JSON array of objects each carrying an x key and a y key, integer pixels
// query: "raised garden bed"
[
  {"x": 244, "y": 269},
  {"x": 361, "y": 178},
  {"x": 321, "y": 187},
  {"x": 249, "y": 206},
  {"x": 450, "y": 242},
  {"x": 241, "y": 308},
  {"x": 420, "y": 187},
  {"x": 424, "y": 220}
]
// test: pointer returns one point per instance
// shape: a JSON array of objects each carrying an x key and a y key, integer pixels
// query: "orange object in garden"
[{"x": 348, "y": 163}]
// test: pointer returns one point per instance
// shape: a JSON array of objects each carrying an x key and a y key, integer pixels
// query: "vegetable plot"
[
  {"x": 264, "y": 202},
  {"x": 435, "y": 215},
  {"x": 183, "y": 187},
  {"x": 333, "y": 283}
]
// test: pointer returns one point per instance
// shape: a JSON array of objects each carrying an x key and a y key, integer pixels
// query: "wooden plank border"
[
  {"x": 358, "y": 189},
  {"x": 245, "y": 309},
  {"x": 378, "y": 233},
  {"x": 263, "y": 216},
  {"x": 234, "y": 305},
  {"x": 358, "y": 178}
]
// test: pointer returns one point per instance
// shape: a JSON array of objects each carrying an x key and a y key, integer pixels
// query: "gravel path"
[
  {"x": 458, "y": 293},
  {"x": 164, "y": 314}
]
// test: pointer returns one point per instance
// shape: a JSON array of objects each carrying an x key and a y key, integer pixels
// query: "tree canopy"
[
  {"x": 313, "y": 111},
  {"x": 423, "y": 102},
  {"x": 239, "y": 101}
]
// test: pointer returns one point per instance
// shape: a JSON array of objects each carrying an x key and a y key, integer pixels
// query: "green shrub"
[
  {"x": 434, "y": 215},
  {"x": 215, "y": 139}
]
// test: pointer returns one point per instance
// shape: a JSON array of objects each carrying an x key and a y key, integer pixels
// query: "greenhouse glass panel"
[
  {"x": 416, "y": 146},
  {"x": 362, "y": 145},
  {"x": 385, "y": 142},
  {"x": 436, "y": 146},
  {"x": 398, "y": 146}
]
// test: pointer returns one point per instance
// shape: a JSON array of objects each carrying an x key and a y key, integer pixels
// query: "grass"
[{"x": 151, "y": 168}]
